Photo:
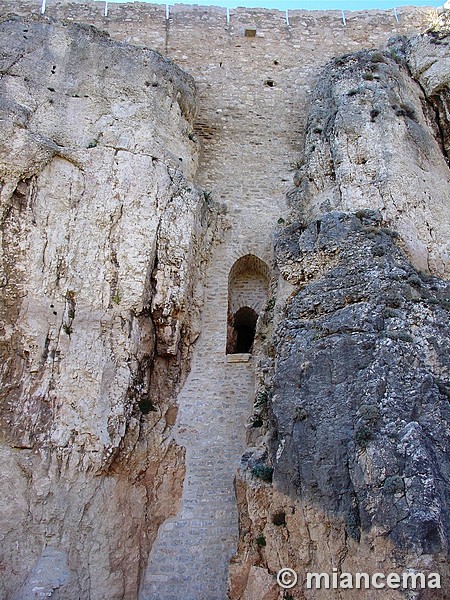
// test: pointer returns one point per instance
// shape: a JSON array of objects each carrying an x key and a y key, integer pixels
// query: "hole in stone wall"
[
  {"x": 244, "y": 328},
  {"x": 270, "y": 82},
  {"x": 250, "y": 32}
]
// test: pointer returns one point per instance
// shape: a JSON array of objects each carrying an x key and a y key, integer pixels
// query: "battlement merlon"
[{"x": 143, "y": 23}]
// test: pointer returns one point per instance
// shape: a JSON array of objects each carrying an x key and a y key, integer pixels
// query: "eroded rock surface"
[
  {"x": 372, "y": 141},
  {"x": 350, "y": 465},
  {"x": 103, "y": 237},
  {"x": 363, "y": 371},
  {"x": 360, "y": 411},
  {"x": 427, "y": 58},
  {"x": 104, "y": 243}
]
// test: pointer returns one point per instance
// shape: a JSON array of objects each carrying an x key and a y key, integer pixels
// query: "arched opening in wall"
[{"x": 248, "y": 287}]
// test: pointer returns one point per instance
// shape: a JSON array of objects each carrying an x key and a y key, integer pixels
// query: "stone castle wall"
[{"x": 253, "y": 91}]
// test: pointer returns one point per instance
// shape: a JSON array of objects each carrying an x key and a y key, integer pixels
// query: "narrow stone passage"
[{"x": 189, "y": 559}]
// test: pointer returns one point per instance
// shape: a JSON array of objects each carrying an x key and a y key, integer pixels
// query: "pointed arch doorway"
[{"x": 248, "y": 289}]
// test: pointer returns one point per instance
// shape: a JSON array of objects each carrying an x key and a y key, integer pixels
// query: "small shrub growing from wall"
[
  {"x": 264, "y": 472},
  {"x": 377, "y": 57},
  {"x": 257, "y": 421},
  {"x": 262, "y": 399},
  {"x": 146, "y": 406},
  {"x": 363, "y": 436}
]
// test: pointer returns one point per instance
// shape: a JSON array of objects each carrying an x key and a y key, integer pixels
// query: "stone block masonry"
[
  {"x": 189, "y": 560},
  {"x": 253, "y": 91},
  {"x": 253, "y": 95}
]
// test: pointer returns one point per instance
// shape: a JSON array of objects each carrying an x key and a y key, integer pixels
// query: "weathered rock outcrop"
[
  {"x": 372, "y": 141},
  {"x": 353, "y": 465},
  {"x": 427, "y": 58},
  {"x": 103, "y": 239}
]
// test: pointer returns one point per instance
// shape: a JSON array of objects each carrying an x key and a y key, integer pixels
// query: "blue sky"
[{"x": 308, "y": 4}]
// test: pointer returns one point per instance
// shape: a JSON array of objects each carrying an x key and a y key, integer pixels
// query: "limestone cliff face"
[
  {"x": 103, "y": 237},
  {"x": 372, "y": 141},
  {"x": 357, "y": 417},
  {"x": 104, "y": 242},
  {"x": 428, "y": 62}
]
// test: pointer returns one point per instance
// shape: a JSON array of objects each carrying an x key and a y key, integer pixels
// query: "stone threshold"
[{"x": 238, "y": 358}]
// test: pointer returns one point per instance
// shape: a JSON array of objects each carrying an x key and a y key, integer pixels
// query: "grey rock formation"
[
  {"x": 49, "y": 574},
  {"x": 427, "y": 58},
  {"x": 361, "y": 390}
]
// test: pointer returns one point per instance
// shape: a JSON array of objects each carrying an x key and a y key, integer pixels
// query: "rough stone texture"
[
  {"x": 261, "y": 585},
  {"x": 360, "y": 393},
  {"x": 310, "y": 541},
  {"x": 369, "y": 144},
  {"x": 48, "y": 575},
  {"x": 251, "y": 133},
  {"x": 427, "y": 57},
  {"x": 356, "y": 424},
  {"x": 360, "y": 414},
  {"x": 101, "y": 227}
]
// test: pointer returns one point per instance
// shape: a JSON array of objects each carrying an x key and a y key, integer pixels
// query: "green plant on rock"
[
  {"x": 395, "y": 56},
  {"x": 257, "y": 421},
  {"x": 270, "y": 304},
  {"x": 146, "y": 406},
  {"x": 116, "y": 298},
  {"x": 263, "y": 472},
  {"x": 363, "y": 436},
  {"x": 260, "y": 540},
  {"x": 262, "y": 399},
  {"x": 67, "y": 329},
  {"x": 377, "y": 57},
  {"x": 296, "y": 165}
]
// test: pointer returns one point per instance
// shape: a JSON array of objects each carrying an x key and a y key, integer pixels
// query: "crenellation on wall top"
[{"x": 216, "y": 16}]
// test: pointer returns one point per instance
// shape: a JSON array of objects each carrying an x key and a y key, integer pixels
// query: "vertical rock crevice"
[{"x": 426, "y": 58}]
